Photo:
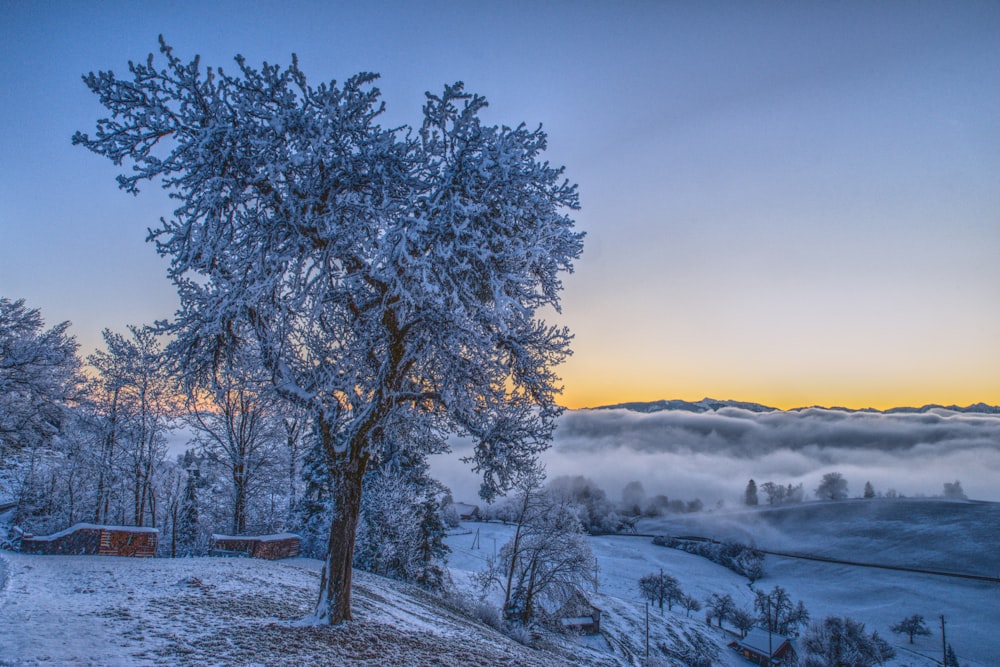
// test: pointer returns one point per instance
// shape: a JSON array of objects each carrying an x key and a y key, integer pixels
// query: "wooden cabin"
[
  {"x": 578, "y": 615},
  {"x": 270, "y": 547},
  {"x": 95, "y": 539},
  {"x": 763, "y": 648},
  {"x": 466, "y": 511}
]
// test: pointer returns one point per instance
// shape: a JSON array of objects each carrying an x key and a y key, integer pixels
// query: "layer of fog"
[{"x": 712, "y": 455}]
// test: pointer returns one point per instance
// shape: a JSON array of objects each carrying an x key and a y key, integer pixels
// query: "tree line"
[{"x": 832, "y": 486}]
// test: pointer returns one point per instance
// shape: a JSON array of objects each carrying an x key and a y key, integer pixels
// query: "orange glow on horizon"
[{"x": 593, "y": 390}]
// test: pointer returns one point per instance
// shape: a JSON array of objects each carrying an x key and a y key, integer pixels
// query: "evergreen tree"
[
  {"x": 187, "y": 521},
  {"x": 951, "y": 660},
  {"x": 751, "y": 494},
  {"x": 869, "y": 490}
]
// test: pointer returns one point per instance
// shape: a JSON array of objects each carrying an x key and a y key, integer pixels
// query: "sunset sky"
[{"x": 789, "y": 203}]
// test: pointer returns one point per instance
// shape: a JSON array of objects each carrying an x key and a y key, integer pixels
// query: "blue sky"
[{"x": 794, "y": 203}]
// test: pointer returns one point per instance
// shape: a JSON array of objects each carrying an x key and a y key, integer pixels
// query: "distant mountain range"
[{"x": 712, "y": 405}]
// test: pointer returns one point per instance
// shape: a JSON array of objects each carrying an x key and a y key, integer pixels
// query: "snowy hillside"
[
  {"x": 94, "y": 610},
  {"x": 954, "y": 536},
  {"x": 195, "y": 611}
]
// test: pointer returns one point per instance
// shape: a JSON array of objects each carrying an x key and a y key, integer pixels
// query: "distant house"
[
  {"x": 466, "y": 512},
  {"x": 94, "y": 539},
  {"x": 271, "y": 547},
  {"x": 763, "y": 648},
  {"x": 578, "y": 615}
]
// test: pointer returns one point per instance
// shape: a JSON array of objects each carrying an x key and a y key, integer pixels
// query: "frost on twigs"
[{"x": 388, "y": 281}]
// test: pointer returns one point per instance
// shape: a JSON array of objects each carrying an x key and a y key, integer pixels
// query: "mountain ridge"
[{"x": 713, "y": 405}]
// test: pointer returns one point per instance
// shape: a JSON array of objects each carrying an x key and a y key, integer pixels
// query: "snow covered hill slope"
[
  {"x": 955, "y": 536},
  {"x": 932, "y": 533},
  {"x": 99, "y": 610}
]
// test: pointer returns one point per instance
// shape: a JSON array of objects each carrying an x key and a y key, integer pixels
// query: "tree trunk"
[
  {"x": 335, "y": 594},
  {"x": 240, "y": 501}
]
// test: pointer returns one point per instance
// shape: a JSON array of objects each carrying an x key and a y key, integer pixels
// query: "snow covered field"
[
  {"x": 91, "y": 610},
  {"x": 956, "y": 536}
]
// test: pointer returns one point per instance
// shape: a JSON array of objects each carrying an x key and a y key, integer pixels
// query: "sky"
[{"x": 789, "y": 203}]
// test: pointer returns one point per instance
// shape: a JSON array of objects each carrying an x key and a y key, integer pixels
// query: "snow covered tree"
[
  {"x": 547, "y": 559},
  {"x": 400, "y": 528},
  {"x": 39, "y": 377},
  {"x": 144, "y": 401},
  {"x": 911, "y": 626},
  {"x": 777, "y": 613},
  {"x": 659, "y": 588},
  {"x": 690, "y": 603},
  {"x": 597, "y": 515},
  {"x": 869, "y": 490},
  {"x": 743, "y": 620},
  {"x": 750, "y": 495},
  {"x": 186, "y": 526},
  {"x": 832, "y": 487},
  {"x": 237, "y": 428},
  {"x": 633, "y": 498},
  {"x": 391, "y": 280},
  {"x": 295, "y": 425},
  {"x": 720, "y": 607},
  {"x": 950, "y": 658},
  {"x": 775, "y": 492},
  {"x": 794, "y": 494},
  {"x": 843, "y": 641},
  {"x": 954, "y": 490}
]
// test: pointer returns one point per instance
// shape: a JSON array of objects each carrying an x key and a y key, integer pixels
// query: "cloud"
[{"x": 712, "y": 455}]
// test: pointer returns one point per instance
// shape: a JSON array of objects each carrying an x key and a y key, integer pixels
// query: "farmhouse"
[
  {"x": 578, "y": 615},
  {"x": 763, "y": 648},
  {"x": 466, "y": 512},
  {"x": 94, "y": 539},
  {"x": 271, "y": 547}
]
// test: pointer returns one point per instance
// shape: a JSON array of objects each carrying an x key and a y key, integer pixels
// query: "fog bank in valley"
[{"x": 712, "y": 455}]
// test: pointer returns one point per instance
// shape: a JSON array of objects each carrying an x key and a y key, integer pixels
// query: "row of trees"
[
  {"x": 831, "y": 641},
  {"x": 833, "y": 486},
  {"x": 77, "y": 448},
  {"x": 659, "y": 588},
  {"x": 598, "y": 512},
  {"x": 776, "y": 494},
  {"x": 94, "y": 448}
]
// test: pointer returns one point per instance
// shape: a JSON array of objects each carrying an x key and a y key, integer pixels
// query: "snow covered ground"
[
  {"x": 956, "y": 536},
  {"x": 94, "y": 610},
  {"x": 104, "y": 610}
]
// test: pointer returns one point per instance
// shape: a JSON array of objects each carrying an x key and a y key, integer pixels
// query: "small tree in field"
[
  {"x": 743, "y": 620},
  {"x": 659, "y": 588},
  {"x": 720, "y": 607},
  {"x": 912, "y": 626},
  {"x": 954, "y": 490},
  {"x": 869, "y": 490},
  {"x": 690, "y": 603},
  {"x": 546, "y": 560},
  {"x": 389, "y": 281},
  {"x": 832, "y": 487},
  {"x": 843, "y": 641}
]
